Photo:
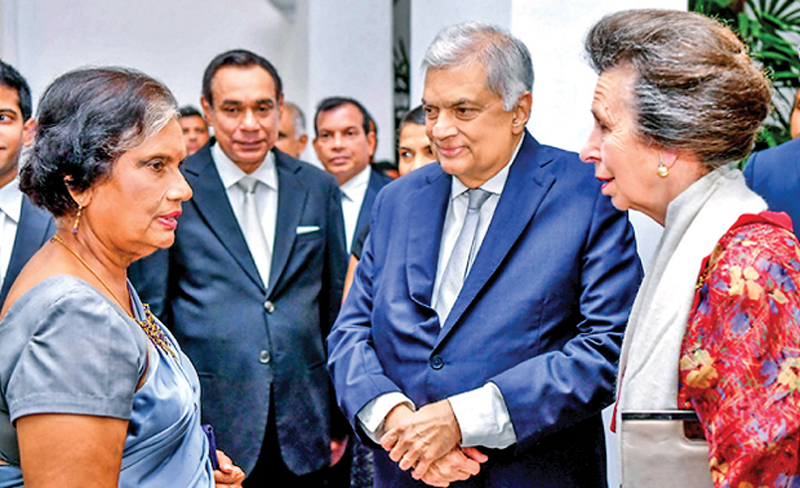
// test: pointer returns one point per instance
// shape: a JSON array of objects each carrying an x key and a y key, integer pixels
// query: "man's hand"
[
  {"x": 338, "y": 447},
  {"x": 396, "y": 415},
  {"x": 419, "y": 439},
  {"x": 228, "y": 475},
  {"x": 457, "y": 465}
]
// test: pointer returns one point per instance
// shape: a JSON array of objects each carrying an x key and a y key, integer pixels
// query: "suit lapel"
[
  {"x": 35, "y": 227},
  {"x": 526, "y": 186},
  {"x": 426, "y": 208},
  {"x": 211, "y": 201},
  {"x": 291, "y": 201}
]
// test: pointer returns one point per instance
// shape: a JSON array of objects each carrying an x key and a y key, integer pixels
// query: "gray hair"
[
  {"x": 509, "y": 70},
  {"x": 696, "y": 90},
  {"x": 298, "y": 118}
]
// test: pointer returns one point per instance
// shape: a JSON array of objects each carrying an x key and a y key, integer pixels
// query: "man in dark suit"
[
  {"x": 254, "y": 281},
  {"x": 775, "y": 175},
  {"x": 24, "y": 228},
  {"x": 345, "y": 142},
  {"x": 480, "y": 338}
]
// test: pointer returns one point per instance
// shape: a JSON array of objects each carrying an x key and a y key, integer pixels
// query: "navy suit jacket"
[
  {"x": 377, "y": 180},
  {"x": 253, "y": 345},
  {"x": 775, "y": 175},
  {"x": 541, "y": 314},
  {"x": 35, "y": 227}
]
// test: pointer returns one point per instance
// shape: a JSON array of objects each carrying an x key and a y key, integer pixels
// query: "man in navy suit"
[
  {"x": 24, "y": 228},
  {"x": 480, "y": 338},
  {"x": 253, "y": 283},
  {"x": 775, "y": 175},
  {"x": 345, "y": 142}
]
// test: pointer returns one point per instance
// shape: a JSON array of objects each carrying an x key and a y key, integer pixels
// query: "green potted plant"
[{"x": 771, "y": 28}]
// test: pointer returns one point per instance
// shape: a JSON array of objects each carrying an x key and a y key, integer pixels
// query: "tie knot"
[
  {"x": 247, "y": 184},
  {"x": 477, "y": 197}
]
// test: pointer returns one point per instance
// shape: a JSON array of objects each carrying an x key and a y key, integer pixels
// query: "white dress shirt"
[
  {"x": 481, "y": 413},
  {"x": 266, "y": 193},
  {"x": 353, "y": 192},
  {"x": 10, "y": 209}
]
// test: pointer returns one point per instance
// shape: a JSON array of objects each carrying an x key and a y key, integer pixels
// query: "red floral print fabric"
[{"x": 740, "y": 360}]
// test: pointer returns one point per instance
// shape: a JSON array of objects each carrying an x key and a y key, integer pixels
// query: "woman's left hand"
[{"x": 228, "y": 475}]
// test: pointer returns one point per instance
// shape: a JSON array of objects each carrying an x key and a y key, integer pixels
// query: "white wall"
[
  {"x": 323, "y": 49},
  {"x": 350, "y": 54},
  {"x": 172, "y": 40}
]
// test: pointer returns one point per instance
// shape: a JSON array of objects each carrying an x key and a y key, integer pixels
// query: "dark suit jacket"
[
  {"x": 377, "y": 180},
  {"x": 252, "y": 346},
  {"x": 35, "y": 227},
  {"x": 775, "y": 175},
  {"x": 541, "y": 314}
]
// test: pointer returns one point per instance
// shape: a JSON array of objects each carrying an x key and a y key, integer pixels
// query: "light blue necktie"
[
  {"x": 252, "y": 229},
  {"x": 462, "y": 256}
]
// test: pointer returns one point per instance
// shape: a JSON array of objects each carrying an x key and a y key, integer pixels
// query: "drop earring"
[
  {"x": 662, "y": 170},
  {"x": 77, "y": 219}
]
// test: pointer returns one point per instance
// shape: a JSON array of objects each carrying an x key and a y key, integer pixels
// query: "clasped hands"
[{"x": 427, "y": 441}]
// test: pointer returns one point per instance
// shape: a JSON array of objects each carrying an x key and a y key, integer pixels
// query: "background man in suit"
[
  {"x": 254, "y": 283},
  {"x": 775, "y": 175},
  {"x": 345, "y": 142},
  {"x": 292, "y": 137},
  {"x": 24, "y": 228},
  {"x": 194, "y": 127},
  {"x": 487, "y": 312}
]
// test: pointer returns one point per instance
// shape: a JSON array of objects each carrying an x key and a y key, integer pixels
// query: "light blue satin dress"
[{"x": 66, "y": 348}]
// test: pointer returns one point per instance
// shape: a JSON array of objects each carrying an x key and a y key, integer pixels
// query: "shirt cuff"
[
  {"x": 483, "y": 418},
  {"x": 372, "y": 415}
]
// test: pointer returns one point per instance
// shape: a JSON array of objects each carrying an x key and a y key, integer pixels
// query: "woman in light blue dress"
[{"x": 94, "y": 391}]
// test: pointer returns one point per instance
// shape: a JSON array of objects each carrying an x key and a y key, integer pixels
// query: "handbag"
[{"x": 656, "y": 452}]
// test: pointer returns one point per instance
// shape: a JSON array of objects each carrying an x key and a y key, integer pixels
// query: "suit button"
[
  {"x": 264, "y": 357},
  {"x": 269, "y": 306},
  {"x": 437, "y": 362}
]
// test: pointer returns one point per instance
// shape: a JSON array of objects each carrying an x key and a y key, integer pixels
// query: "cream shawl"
[
  {"x": 695, "y": 221},
  {"x": 656, "y": 453}
]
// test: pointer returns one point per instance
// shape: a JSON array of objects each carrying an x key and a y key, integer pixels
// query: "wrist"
[{"x": 395, "y": 416}]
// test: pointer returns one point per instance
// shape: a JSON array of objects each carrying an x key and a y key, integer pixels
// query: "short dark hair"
[
  {"x": 242, "y": 59},
  {"x": 331, "y": 103},
  {"x": 414, "y": 116},
  {"x": 10, "y": 78},
  {"x": 87, "y": 119},
  {"x": 189, "y": 111}
]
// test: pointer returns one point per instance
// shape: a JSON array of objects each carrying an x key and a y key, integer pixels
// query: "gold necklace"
[{"x": 149, "y": 325}]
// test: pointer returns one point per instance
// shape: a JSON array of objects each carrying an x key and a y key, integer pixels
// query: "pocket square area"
[{"x": 306, "y": 229}]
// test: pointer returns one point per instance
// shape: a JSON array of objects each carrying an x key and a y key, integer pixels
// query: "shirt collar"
[
  {"x": 230, "y": 173},
  {"x": 356, "y": 183},
  {"x": 494, "y": 184},
  {"x": 11, "y": 200}
]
